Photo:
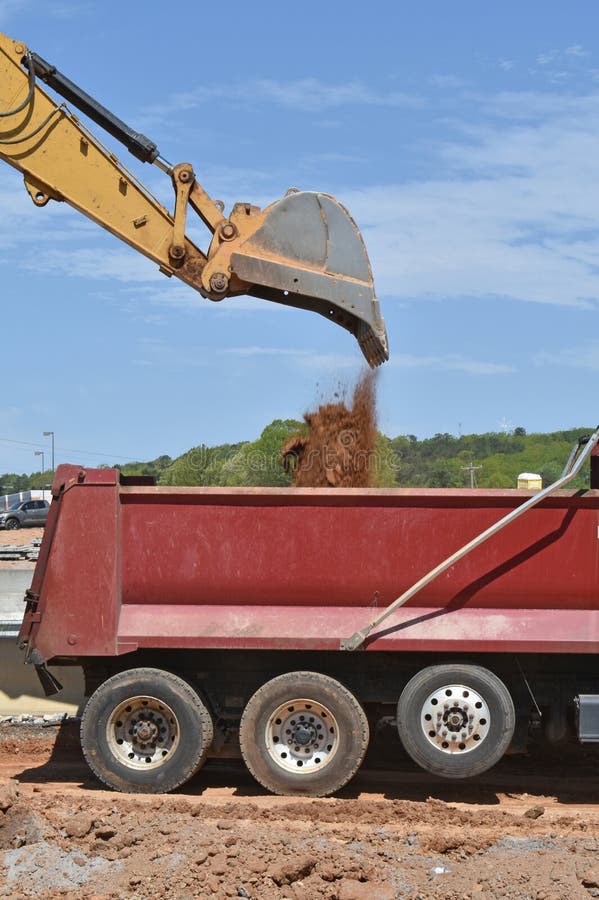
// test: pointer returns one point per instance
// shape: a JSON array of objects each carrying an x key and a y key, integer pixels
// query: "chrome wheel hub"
[
  {"x": 455, "y": 719},
  {"x": 302, "y": 736},
  {"x": 142, "y": 733}
]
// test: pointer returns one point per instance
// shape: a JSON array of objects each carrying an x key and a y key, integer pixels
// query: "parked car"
[{"x": 25, "y": 513}]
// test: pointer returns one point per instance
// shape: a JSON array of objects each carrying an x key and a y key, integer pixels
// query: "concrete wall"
[{"x": 20, "y": 690}]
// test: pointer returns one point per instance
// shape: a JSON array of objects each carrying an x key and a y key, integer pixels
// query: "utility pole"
[
  {"x": 41, "y": 453},
  {"x": 472, "y": 469},
  {"x": 51, "y": 434}
]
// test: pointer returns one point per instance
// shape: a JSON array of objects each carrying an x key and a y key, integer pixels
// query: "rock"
[
  {"x": 218, "y": 865},
  {"x": 9, "y": 793},
  {"x": 78, "y": 825},
  {"x": 292, "y": 870},
  {"x": 590, "y": 879},
  {"x": 257, "y": 865},
  {"x": 350, "y": 889},
  {"x": 21, "y": 827},
  {"x": 104, "y": 832},
  {"x": 534, "y": 812}
]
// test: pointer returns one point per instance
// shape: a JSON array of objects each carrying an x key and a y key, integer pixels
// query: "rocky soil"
[{"x": 388, "y": 835}]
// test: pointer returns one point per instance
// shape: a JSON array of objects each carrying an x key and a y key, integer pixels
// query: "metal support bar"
[{"x": 572, "y": 468}]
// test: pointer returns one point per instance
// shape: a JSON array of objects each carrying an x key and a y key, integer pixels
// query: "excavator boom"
[{"x": 303, "y": 251}]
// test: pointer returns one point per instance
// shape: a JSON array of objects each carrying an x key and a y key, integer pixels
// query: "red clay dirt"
[
  {"x": 338, "y": 450},
  {"x": 400, "y": 834}
]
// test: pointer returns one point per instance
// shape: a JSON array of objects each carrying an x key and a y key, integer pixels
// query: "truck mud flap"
[{"x": 49, "y": 683}]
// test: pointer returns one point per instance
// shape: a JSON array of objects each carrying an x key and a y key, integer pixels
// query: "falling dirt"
[{"x": 339, "y": 449}]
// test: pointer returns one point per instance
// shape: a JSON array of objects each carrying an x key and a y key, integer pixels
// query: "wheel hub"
[
  {"x": 142, "y": 733},
  {"x": 302, "y": 736},
  {"x": 455, "y": 719},
  {"x": 145, "y": 731}
]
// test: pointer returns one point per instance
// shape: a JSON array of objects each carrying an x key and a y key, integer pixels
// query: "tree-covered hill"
[{"x": 403, "y": 461}]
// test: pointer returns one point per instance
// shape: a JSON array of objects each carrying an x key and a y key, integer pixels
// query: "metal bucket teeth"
[
  {"x": 373, "y": 344},
  {"x": 308, "y": 253}
]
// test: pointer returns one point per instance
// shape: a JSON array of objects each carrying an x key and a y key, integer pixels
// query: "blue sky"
[{"x": 464, "y": 139}]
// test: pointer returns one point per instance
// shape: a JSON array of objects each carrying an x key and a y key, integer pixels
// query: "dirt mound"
[
  {"x": 339, "y": 449},
  {"x": 103, "y": 846}
]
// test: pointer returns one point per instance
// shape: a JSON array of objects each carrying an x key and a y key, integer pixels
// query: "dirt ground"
[
  {"x": 528, "y": 829},
  {"x": 18, "y": 538}
]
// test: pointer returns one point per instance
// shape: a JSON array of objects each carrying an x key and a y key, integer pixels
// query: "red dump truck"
[{"x": 211, "y": 618}]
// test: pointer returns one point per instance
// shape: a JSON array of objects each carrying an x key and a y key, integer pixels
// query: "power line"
[{"x": 71, "y": 450}]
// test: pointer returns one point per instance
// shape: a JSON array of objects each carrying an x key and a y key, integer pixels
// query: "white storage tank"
[{"x": 530, "y": 481}]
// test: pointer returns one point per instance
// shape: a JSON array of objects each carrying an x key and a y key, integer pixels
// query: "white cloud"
[
  {"x": 515, "y": 215},
  {"x": 576, "y": 50},
  {"x": 120, "y": 265},
  {"x": 307, "y": 359},
  {"x": 306, "y": 95},
  {"x": 450, "y": 362},
  {"x": 181, "y": 296},
  {"x": 583, "y": 357},
  {"x": 544, "y": 59}
]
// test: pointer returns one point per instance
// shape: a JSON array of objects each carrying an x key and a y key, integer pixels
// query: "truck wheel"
[
  {"x": 145, "y": 731},
  {"x": 303, "y": 733},
  {"x": 12, "y": 524},
  {"x": 455, "y": 720}
]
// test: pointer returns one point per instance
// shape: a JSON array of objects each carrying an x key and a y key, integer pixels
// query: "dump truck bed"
[{"x": 127, "y": 565}]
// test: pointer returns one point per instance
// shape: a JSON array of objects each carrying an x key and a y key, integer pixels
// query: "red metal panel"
[
  {"x": 78, "y": 580},
  {"x": 319, "y": 628},
  {"x": 355, "y": 549},
  {"x": 282, "y": 568}
]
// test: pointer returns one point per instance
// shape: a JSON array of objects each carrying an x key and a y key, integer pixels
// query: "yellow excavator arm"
[{"x": 303, "y": 250}]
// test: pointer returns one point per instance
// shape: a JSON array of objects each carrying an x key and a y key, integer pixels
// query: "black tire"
[
  {"x": 327, "y": 725},
  {"x": 145, "y": 731},
  {"x": 455, "y": 720},
  {"x": 12, "y": 524}
]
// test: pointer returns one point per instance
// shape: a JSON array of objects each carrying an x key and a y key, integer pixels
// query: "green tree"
[{"x": 259, "y": 463}]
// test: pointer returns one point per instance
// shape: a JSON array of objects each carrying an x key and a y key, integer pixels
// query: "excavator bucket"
[{"x": 308, "y": 253}]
